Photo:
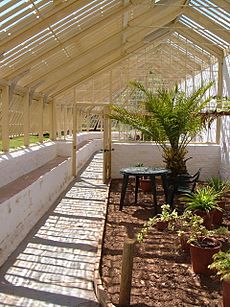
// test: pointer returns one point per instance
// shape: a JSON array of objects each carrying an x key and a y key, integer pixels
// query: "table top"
[{"x": 144, "y": 171}]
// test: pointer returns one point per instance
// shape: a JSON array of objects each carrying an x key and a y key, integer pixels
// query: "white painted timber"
[{"x": 204, "y": 156}]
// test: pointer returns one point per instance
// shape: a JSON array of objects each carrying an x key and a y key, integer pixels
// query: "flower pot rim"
[{"x": 218, "y": 243}]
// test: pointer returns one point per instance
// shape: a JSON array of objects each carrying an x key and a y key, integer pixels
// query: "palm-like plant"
[{"x": 170, "y": 118}]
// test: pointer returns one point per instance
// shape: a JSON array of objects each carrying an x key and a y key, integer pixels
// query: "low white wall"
[
  {"x": 17, "y": 163},
  {"x": 203, "y": 156},
  {"x": 22, "y": 211}
]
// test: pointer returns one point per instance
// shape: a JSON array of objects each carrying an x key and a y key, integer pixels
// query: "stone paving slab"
[{"x": 54, "y": 265}]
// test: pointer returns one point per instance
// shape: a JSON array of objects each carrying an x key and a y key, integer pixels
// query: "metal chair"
[{"x": 183, "y": 184}]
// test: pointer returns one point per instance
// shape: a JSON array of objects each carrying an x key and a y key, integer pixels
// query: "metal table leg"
[
  {"x": 123, "y": 191},
  {"x": 154, "y": 192},
  {"x": 136, "y": 187}
]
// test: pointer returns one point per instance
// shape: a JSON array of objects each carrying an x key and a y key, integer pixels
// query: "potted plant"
[
  {"x": 204, "y": 244},
  {"x": 145, "y": 182},
  {"x": 161, "y": 221},
  {"x": 202, "y": 202},
  {"x": 168, "y": 117},
  {"x": 202, "y": 250},
  {"x": 220, "y": 186},
  {"x": 221, "y": 264},
  {"x": 185, "y": 225},
  {"x": 166, "y": 216}
]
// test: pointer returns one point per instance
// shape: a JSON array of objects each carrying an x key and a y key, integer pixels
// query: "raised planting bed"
[{"x": 162, "y": 272}]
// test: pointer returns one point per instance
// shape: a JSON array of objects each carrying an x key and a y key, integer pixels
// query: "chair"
[{"x": 183, "y": 184}]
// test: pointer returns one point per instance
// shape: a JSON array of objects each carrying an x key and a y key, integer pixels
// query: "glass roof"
[
  {"x": 54, "y": 39},
  {"x": 212, "y": 11},
  {"x": 204, "y": 32}
]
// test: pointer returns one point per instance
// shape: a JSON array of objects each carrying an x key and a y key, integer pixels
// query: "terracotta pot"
[
  {"x": 207, "y": 216},
  {"x": 218, "y": 215},
  {"x": 161, "y": 225},
  {"x": 146, "y": 185},
  {"x": 226, "y": 293},
  {"x": 201, "y": 257}
]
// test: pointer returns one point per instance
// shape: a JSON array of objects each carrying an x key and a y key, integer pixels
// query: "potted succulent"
[
  {"x": 202, "y": 202},
  {"x": 221, "y": 264},
  {"x": 220, "y": 186}
]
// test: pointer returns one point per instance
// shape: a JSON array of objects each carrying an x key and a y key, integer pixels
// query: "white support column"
[
  {"x": 74, "y": 141},
  {"x": 65, "y": 122},
  {"x": 105, "y": 155},
  {"x": 26, "y": 118},
  {"x": 107, "y": 146},
  {"x": 40, "y": 122},
  {"x": 5, "y": 118},
  {"x": 220, "y": 93},
  {"x": 54, "y": 120}
]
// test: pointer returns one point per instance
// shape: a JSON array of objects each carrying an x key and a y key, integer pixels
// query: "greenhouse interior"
[{"x": 94, "y": 97}]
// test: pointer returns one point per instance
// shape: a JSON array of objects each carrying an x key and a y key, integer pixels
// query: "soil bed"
[{"x": 162, "y": 273}]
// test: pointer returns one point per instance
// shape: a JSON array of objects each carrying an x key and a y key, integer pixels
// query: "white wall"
[
  {"x": 22, "y": 211},
  {"x": 129, "y": 154},
  {"x": 17, "y": 163}
]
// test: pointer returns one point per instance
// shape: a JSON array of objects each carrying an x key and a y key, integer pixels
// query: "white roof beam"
[
  {"x": 30, "y": 61},
  {"x": 207, "y": 23},
  {"x": 223, "y": 4},
  {"x": 58, "y": 13},
  {"x": 200, "y": 40},
  {"x": 85, "y": 56}
]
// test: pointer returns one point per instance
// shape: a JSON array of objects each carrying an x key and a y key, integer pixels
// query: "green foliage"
[
  {"x": 192, "y": 225},
  {"x": 204, "y": 199},
  {"x": 219, "y": 185},
  {"x": 166, "y": 215},
  {"x": 18, "y": 142},
  {"x": 169, "y": 117},
  {"x": 221, "y": 263}
]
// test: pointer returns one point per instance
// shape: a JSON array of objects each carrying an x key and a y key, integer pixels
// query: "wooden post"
[
  {"x": 105, "y": 147},
  {"x": 74, "y": 142},
  {"x": 126, "y": 273},
  {"x": 220, "y": 93},
  {"x": 26, "y": 118},
  {"x": 40, "y": 122},
  {"x": 51, "y": 121},
  {"x": 5, "y": 118},
  {"x": 65, "y": 122}
]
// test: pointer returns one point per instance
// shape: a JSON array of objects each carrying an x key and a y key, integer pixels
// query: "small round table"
[{"x": 150, "y": 172}]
